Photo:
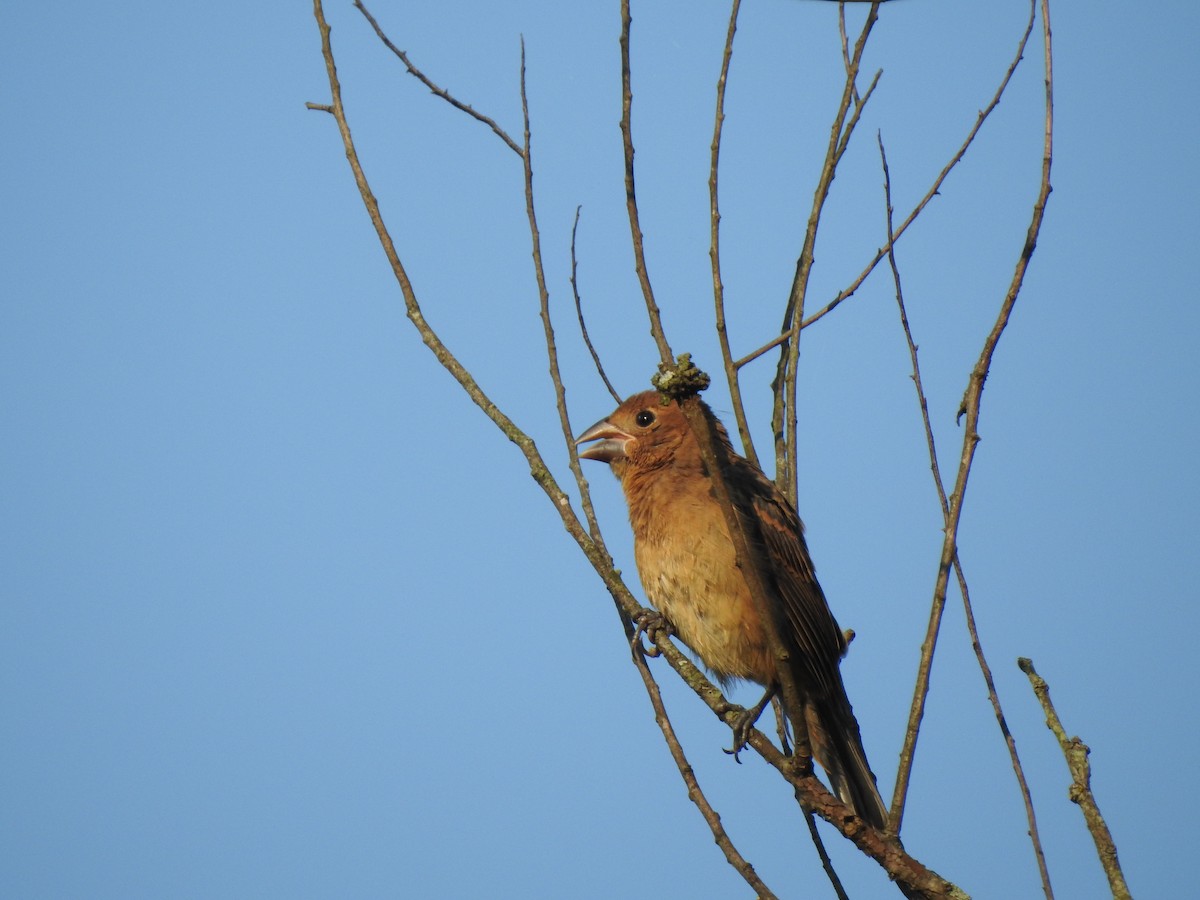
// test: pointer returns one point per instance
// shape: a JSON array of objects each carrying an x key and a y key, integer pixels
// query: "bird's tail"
[{"x": 837, "y": 746}]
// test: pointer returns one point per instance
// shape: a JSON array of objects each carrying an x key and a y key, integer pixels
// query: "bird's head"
[{"x": 641, "y": 434}]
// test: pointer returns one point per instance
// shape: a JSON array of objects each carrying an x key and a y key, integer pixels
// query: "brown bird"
[{"x": 690, "y": 572}]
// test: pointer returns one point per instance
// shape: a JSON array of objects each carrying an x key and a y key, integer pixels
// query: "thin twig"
[
  {"x": 438, "y": 91},
  {"x": 826, "y": 863},
  {"x": 714, "y": 250},
  {"x": 922, "y": 401},
  {"x": 900, "y": 792},
  {"x": 859, "y": 105},
  {"x": 1076, "y": 753},
  {"x": 631, "y": 205},
  {"x": 897, "y": 810},
  {"x": 560, "y": 396},
  {"x": 844, "y": 39},
  {"x": 1026, "y": 797},
  {"x": 695, "y": 794},
  {"x": 579, "y": 312},
  {"x": 755, "y": 354}
]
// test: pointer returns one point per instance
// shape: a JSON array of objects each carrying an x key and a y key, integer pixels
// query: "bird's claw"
[
  {"x": 651, "y": 624},
  {"x": 743, "y": 724}
]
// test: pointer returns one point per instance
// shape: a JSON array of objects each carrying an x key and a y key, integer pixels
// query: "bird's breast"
[{"x": 689, "y": 570}]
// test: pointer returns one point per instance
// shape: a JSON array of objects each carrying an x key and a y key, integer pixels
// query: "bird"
[{"x": 691, "y": 574}]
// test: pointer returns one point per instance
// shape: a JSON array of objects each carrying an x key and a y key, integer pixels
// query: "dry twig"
[
  {"x": 714, "y": 250},
  {"x": 1076, "y": 753},
  {"x": 434, "y": 89},
  {"x": 897, "y": 811},
  {"x": 587, "y": 341}
]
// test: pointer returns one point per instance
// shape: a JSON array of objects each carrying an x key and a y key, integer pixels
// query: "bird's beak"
[{"x": 611, "y": 442}]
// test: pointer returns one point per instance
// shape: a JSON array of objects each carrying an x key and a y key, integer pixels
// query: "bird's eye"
[{"x": 644, "y": 418}]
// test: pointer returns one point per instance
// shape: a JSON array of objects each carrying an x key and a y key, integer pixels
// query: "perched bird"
[{"x": 690, "y": 571}]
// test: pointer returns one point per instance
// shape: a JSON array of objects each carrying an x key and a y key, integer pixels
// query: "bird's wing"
[{"x": 809, "y": 626}]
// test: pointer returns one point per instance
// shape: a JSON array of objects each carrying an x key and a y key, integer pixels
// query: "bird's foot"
[
  {"x": 743, "y": 724},
  {"x": 651, "y": 624}
]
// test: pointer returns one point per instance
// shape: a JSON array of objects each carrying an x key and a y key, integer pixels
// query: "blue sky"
[{"x": 282, "y": 615}]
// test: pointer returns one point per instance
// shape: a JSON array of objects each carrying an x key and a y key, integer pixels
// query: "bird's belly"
[{"x": 699, "y": 588}]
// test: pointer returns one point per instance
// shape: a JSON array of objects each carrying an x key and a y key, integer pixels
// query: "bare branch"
[
  {"x": 826, "y": 862},
  {"x": 714, "y": 252},
  {"x": 560, "y": 397},
  {"x": 908, "y": 336},
  {"x": 635, "y": 226},
  {"x": 755, "y": 354},
  {"x": 438, "y": 91},
  {"x": 859, "y": 106},
  {"x": 1076, "y": 753},
  {"x": 1009, "y": 741},
  {"x": 695, "y": 794},
  {"x": 900, "y": 793},
  {"x": 579, "y": 312},
  {"x": 845, "y": 41}
]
